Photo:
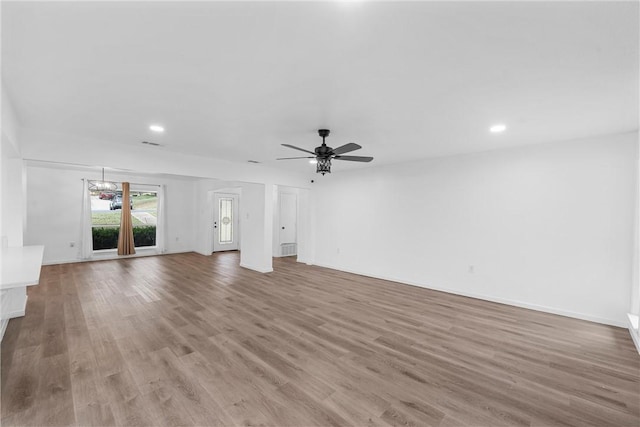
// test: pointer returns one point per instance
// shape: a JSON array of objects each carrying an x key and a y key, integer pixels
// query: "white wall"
[
  {"x": 54, "y": 210},
  {"x": 256, "y": 232},
  {"x": 635, "y": 274},
  {"x": 12, "y": 202},
  {"x": 13, "y": 199},
  {"x": 10, "y": 123},
  {"x": 12, "y": 187},
  {"x": 547, "y": 226},
  {"x": 634, "y": 306}
]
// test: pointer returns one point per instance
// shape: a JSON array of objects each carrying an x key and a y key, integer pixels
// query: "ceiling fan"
[{"x": 323, "y": 154}]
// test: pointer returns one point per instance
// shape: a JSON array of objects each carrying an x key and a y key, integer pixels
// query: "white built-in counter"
[{"x": 20, "y": 268}]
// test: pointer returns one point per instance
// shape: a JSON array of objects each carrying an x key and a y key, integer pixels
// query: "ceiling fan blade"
[
  {"x": 346, "y": 148},
  {"x": 290, "y": 158},
  {"x": 354, "y": 158},
  {"x": 298, "y": 148}
]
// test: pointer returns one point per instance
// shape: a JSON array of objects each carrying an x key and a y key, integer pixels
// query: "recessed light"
[
  {"x": 497, "y": 128},
  {"x": 313, "y": 161},
  {"x": 156, "y": 128},
  {"x": 155, "y": 144},
  {"x": 253, "y": 161}
]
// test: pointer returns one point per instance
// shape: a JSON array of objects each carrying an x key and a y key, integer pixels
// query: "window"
[{"x": 106, "y": 209}]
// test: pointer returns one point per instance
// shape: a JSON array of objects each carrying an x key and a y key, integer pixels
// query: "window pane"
[
  {"x": 145, "y": 217},
  {"x": 226, "y": 221},
  {"x": 105, "y": 219}
]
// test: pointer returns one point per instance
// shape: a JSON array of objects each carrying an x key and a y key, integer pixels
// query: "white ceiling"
[{"x": 404, "y": 80}]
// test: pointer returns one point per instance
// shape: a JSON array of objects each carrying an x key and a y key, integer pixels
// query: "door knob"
[{"x": 283, "y": 228}]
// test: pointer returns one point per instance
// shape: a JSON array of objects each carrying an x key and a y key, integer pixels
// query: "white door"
[
  {"x": 225, "y": 222},
  {"x": 288, "y": 213}
]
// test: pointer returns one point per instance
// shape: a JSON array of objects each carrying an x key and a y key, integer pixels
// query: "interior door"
[
  {"x": 288, "y": 213},
  {"x": 226, "y": 233}
]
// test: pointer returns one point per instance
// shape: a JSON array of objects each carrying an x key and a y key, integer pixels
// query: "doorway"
[{"x": 226, "y": 233}]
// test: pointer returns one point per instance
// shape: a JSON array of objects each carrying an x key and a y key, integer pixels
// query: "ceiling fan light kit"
[
  {"x": 324, "y": 154},
  {"x": 323, "y": 166}
]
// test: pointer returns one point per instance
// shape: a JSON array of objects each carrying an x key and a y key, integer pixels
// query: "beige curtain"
[{"x": 125, "y": 238}]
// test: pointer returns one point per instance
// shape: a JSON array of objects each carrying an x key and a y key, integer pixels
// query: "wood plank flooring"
[{"x": 184, "y": 339}]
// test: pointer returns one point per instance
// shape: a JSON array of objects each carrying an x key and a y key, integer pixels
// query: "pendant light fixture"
[{"x": 102, "y": 185}]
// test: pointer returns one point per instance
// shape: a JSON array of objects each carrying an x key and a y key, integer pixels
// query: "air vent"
[
  {"x": 155, "y": 144},
  {"x": 288, "y": 249},
  {"x": 253, "y": 161}
]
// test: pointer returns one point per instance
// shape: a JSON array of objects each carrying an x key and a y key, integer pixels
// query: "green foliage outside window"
[{"x": 107, "y": 237}]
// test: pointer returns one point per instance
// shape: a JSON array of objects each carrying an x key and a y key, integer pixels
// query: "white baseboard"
[
  {"x": 255, "y": 268},
  {"x": 545, "y": 309}
]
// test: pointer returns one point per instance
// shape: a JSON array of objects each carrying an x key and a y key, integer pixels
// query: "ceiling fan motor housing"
[{"x": 323, "y": 151}]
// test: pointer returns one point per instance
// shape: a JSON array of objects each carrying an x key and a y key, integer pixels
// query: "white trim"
[
  {"x": 515, "y": 303},
  {"x": 258, "y": 269},
  {"x": 3, "y": 327},
  {"x": 161, "y": 223},
  {"x": 86, "y": 231},
  {"x": 634, "y": 330}
]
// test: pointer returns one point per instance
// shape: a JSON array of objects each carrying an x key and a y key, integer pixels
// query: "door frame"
[{"x": 237, "y": 195}]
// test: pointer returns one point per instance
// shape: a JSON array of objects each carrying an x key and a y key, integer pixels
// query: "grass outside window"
[{"x": 110, "y": 218}]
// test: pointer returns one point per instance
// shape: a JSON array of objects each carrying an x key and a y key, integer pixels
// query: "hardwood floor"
[{"x": 192, "y": 340}]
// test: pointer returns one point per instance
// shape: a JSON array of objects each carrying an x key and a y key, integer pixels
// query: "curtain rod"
[
  {"x": 148, "y": 185},
  {"x": 131, "y": 183}
]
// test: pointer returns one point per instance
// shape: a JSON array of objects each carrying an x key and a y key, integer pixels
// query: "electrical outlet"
[
  {"x": 471, "y": 269},
  {"x": 177, "y": 238},
  {"x": 338, "y": 251}
]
